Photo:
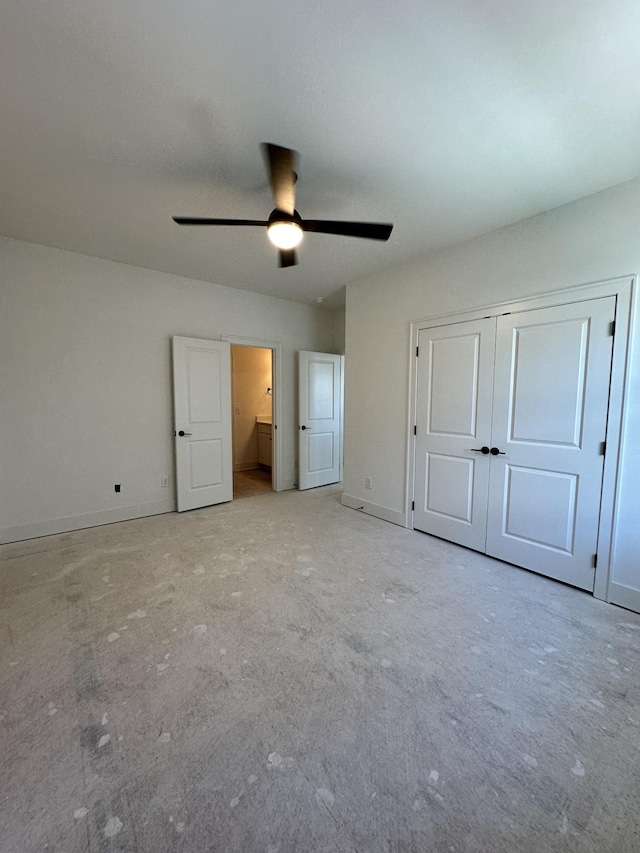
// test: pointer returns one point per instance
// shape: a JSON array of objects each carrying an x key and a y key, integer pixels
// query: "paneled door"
[
  {"x": 550, "y": 407},
  {"x": 511, "y": 425},
  {"x": 319, "y": 419},
  {"x": 202, "y": 404},
  {"x": 455, "y": 387}
]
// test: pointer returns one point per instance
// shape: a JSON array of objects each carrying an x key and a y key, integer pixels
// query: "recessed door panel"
[
  {"x": 449, "y": 488},
  {"x": 205, "y": 463},
  {"x": 203, "y": 394},
  {"x": 549, "y": 363},
  {"x": 551, "y": 496},
  {"x": 321, "y": 452},
  {"x": 453, "y": 385},
  {"x": 321, "y": 380}
]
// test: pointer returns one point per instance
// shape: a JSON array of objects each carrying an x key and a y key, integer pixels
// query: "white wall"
[
  {"x": 593, "y": 239},
  {"x": 250, "y": 378},
  {"x": 85, "y": 381},
  {"x": 339, "y": 330}
]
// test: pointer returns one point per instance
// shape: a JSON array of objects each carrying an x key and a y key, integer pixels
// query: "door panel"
[
  {"x": 320, "y": 382},
  {"x": 546, "y": 385},
  {"x": 205, "y": 463},
  {"x": 319, "y": 413},
  {"x": 321, "y": 451},
  {"x": 449, "y": 489},
  {"x": 453, "y": 393},
  {"x": 549, "y": 418},
  {"x": 455, "y": 380},
  {"x": 202, "y": 403},
  {"x": 202, "y": 394},
  {"x": 554, "y": 496}
]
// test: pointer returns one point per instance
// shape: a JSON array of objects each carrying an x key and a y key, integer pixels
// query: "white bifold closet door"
[{"x": 511, "y": 420}]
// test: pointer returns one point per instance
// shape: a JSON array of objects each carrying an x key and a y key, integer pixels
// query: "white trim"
[
  {"x": 623, "y": 288},
  {"x": 79, "y": 522},
  {"x": 624, "y": 596},
  {"x": 578, "y": 293},
  {"x": 618, "y": 396},
  {"x": 341, "y": 418},
  {"x": 383, "y": 512},
  {"x": 411, "y": 422},
  {"x": 279, "y": 485}
]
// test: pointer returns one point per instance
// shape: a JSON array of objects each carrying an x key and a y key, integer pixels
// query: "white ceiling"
[{"x": 448, "y": 118}]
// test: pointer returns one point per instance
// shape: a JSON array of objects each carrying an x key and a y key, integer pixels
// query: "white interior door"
[
  {"x": 319, "y": 419},
  {"x": 455, "y": 382},
  {"x": 202, "y": 404},
  {"x": 551, "y": 397}
]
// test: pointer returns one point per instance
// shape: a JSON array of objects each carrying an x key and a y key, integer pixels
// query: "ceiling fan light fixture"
[
  {"x": 284, "y": 233},
  {"x": 285, "y": 226}
]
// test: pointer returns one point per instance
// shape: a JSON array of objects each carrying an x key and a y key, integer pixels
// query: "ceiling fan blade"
[
  {"x": 368, "y": 230},
  {"x": 287, "y": 258},
  {"x": 198, "y": 220},
  {"x": 282, "y": 176}
]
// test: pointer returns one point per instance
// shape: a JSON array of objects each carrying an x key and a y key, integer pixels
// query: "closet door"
[
  {"x": 455, "y": 381},
  {"x": 549, "y": 421}
]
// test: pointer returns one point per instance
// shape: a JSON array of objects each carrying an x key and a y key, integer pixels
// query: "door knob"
[
  {"x": 303, "y": 427},
  {"x": 182, "y": 432},
  {"x": 484, "y": 449},
  {"x": 495, "y": 451}
]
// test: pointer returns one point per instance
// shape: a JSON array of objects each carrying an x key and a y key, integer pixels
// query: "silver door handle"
[{"x": 182, "y": 432}]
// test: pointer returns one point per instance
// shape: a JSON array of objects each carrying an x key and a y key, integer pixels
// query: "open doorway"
[{"x": 252, "y": 419}]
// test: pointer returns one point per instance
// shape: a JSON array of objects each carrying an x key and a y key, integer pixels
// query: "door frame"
[
  {"x": 623, "y": 288},
  {"x": 276, "y": 350}
]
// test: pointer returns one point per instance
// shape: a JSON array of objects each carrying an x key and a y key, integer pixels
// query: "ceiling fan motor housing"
[{"x": 280, "y": 216}]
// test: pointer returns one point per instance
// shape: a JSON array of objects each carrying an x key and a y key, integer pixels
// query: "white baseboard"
[
  {"x": 78, "y": 522},
  {"x": 625, "y": 596},
  {"x": 383, "y": 512}
]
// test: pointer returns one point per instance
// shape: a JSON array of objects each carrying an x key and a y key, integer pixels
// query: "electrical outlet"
[
  {"x": 117, "y": 487},
  {"x": 368, "y": 482},
  {"x": 164, "y": 482}
]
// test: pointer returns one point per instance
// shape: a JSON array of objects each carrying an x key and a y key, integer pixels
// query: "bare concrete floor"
[{"x": 284, "y": 674}]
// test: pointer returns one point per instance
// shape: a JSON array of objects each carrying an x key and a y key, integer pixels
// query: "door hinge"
[
  {"x": 595, "y": 561},
  {"x": 413, "y": 506},
  {"x": 612, "y": 328},
  {"x": 415, "y": 430},
  {"x": 417, "y": 352},
  {"x": 603, "y": 448}
]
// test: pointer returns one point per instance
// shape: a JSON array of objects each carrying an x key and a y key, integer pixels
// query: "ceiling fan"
[{"x": 285, "y": 226}]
